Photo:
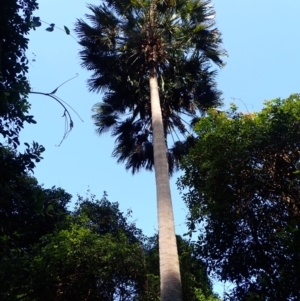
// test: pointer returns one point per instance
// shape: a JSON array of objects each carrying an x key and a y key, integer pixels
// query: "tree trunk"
[{"x": 170, "y": 281}]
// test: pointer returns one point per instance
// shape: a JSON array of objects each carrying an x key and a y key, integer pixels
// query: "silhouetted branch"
[{"x": 69, "y": 124}]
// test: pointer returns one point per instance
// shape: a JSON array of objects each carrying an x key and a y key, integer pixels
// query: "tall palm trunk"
[
  {"x": 168, "y": 256},
  {"x": 127, "y": 41}
]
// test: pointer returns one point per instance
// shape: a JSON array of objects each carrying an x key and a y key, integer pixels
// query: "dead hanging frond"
[{"x": 69, "y": 124}]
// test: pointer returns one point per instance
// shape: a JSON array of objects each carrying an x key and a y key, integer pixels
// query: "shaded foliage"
[
  {"x": 90, "y": 256},
  {"x": 15, "y": 23},
  {"x": 77, "y": 264},
  {"x": 91, "y": 253},
  {"x": 22, "y": 200},
  {"x": 105, "y": 217},
  {"x": 28, "y": 212},
  {"x": 17, "y": 192},
  {"x": 243, "y": 188}
]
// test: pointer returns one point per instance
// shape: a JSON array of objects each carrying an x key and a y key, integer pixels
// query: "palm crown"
[{"x": 125, "y": 39}]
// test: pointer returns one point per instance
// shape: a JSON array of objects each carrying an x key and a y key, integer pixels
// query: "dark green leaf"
[{"x": 67, "y": 30}]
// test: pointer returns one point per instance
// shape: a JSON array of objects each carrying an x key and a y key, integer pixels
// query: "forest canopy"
[{"x": 241, "y": 184}]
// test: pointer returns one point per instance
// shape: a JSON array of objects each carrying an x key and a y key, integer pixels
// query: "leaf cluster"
[
  {"x": 68, "y": 257},
  {"x": 28, "y": 211},
  {"x": 15, "y": 23},
  {"x": 93, "y": 252},
  {"x": 242, "y": 188}
]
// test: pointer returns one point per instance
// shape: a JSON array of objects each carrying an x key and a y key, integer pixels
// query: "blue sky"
[{"x": 263, "y": 42}]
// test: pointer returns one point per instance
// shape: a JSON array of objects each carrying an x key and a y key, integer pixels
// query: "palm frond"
[
  {"x": 115, "y": 47},
  {"x": 105, "y": 118}
]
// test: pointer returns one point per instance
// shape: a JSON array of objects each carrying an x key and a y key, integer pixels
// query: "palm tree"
[{"x": 151, "y": 58}]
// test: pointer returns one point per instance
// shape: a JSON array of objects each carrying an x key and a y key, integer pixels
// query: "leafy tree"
[
  {"x": 77, "y": 264},
  {"x": 151, "y": 59},
  {"x": 92, "y": 256},
  {"x": 28, "y": 212},
  {"x": 22, "y": 200},
  {"x": 15, "y": 23},
  {"x": 105, "y": 217},
  {"x": 26, "y": 209},
  {"x": 243, "y": 190},
  {"x": 96, "y": 253}
]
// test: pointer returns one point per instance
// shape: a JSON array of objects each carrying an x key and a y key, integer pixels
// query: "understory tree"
[
  {"x": 152, "y": 60},
  {"x": 241, "y": 184},
  {"x": 92, "y": 253},
  {"x": 28, "y": 212},
  {"x": 97, "y": 257}
]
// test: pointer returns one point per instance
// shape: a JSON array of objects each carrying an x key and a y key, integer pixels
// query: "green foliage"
[
  {"x": 77, "y": 264},
  {"x": 92, "y": 253},
  {"x": 120, "y": 47},
  {"x": 104, "y": 217},
  {"x": 15, "y": 23},
  {"x": 16, "y": 20},
  {"x": 67, "y": 30},
  {"x": 28, "y": 212},
  {"x": 242, "y": 184},
  {"x": 36, "y": 22}
]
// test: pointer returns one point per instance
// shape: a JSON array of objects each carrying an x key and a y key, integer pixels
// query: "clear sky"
[{"x": 263, "y": 42}]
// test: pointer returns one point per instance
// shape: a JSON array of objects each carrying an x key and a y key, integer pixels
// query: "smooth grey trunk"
[{"x": 168, "y": 256}]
